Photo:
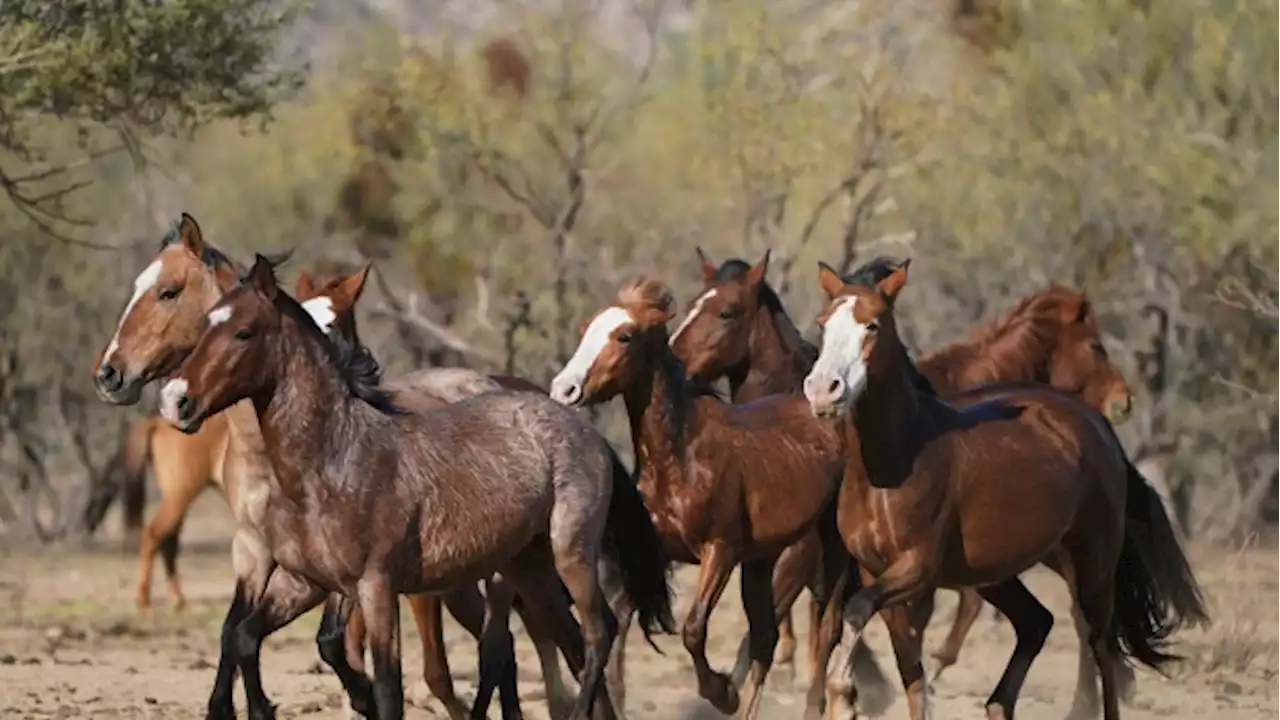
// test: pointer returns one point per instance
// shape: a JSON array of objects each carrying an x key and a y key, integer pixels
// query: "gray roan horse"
[{"x": 373, "y": 500}]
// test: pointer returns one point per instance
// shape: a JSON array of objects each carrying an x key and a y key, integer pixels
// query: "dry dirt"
[{"x": 72, "y": 645}]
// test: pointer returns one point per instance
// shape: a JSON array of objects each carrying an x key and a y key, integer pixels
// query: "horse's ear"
[
  {"x": 347, "y": 290},
  {"x": 306, "y": 287},
  {"x": 262, "y": 277},
  {"x": 190, "y": 236},
  {"x": 757, "y": 273},
  {"x": 709, "y": 270},
  {"x": 893, "y": 284},
  {"x": 1076, "y": 310},
  {"x": 830, "y": 280}
]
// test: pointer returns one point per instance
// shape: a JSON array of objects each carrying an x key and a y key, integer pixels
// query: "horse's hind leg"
[
  {"x": 616, "y": 669},
  {"x": 331, "y": 641},
  {"x": 177, "y": 492},
  {"x": 497, "y": 653},
  {"x": 967, "y": 613},
  {"x": 1031, "y": 622},
  {"x": 435, "y": 663},
  {"x": 757, "y": 601},
  {"x": 576, "y": 555}
]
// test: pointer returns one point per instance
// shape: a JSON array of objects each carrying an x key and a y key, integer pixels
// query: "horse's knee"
[
  {"x": 333, "y": 649},
  {"x": 694, "y": 634}
]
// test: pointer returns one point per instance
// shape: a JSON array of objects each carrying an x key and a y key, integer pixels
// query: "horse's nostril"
[
  {"x": 835, "y": 387},
  {"x": 109, "y": 378},
  {"x": 186, "y": 407}
]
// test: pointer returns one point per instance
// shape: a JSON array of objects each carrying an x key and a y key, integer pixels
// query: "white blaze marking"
[
  {"x": 320, "y": 308},
  {"x": 219, "y": 315},
  {"x": 144, "y": 282},
  {"x": 693, "y": 313},
  {"x": 593, "y": 343},
  {"x": 841, "y": 355},
  {"x": 169, "y": 396}
]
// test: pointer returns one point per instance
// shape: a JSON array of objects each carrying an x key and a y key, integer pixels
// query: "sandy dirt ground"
[{"x": 72, "y": 645}]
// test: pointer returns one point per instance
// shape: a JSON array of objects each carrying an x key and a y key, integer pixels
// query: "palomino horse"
[
  {"x": 331, "y": 304},
  {"x": 739, "y": 330},
  {"x": 157, "y": 330},
  {"x": 726, "y": 484},
  {"x": 927, "y": 501},
  {"x": 372, "y": 500}
]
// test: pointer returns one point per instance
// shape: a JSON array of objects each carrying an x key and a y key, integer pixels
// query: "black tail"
[
  {"x": 632, "y": 542},
  {"x": 118, "y": 479},
  {"x": 1156, "y": 592}
]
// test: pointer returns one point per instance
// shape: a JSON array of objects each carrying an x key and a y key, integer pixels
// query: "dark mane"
[
  {"x": 869, "y": 274},
  {"x": 736, "y": 269},
  {"x": 355, "y": 363},
  {"x": 212, "y": 257}
]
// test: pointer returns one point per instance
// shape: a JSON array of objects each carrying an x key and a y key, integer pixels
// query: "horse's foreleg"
[
  {"x": 757, "y": 601},
  {"x": 287, "y": 596},
  {"x": 253, "y": 566},
  {"x": 435, "y": 662},
  {"x": 497, "y": 653},
  {"x": 175, "y": 498},
  {"x": 716, "y": 565},
  {"x": 1031, "y": 622},
  {"x": 331, "y": 640},
  {"x": 966, "y": 613},
  {"x": 380, "y": 606},
  {"x": 794, "y": 570}
]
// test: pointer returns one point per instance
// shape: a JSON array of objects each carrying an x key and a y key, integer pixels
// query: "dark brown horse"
[
  {"x": 331, "y": 303},
  {"x": 739, "y": 330},
  {"x": 726, "y": 484},
  {"x": 970, "y": 494},
  {"x": 373, "y": 500}
]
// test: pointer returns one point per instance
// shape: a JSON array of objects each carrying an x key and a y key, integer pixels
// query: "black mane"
[
  {"x": 354, "y": 362},
  {"x": 869, "y": 274}
]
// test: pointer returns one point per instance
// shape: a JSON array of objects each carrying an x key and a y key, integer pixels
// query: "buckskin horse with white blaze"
[
  {"x": 738, "y": 329},
  {"x": 157, "y": 330},
  {"x": 372, "y": 500},
  {"x": 726, "y": 484},
  {"x": 940, "y": 493}
]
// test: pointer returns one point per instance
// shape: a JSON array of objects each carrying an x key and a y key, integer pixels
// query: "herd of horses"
[{"x": 849, "y": 470}]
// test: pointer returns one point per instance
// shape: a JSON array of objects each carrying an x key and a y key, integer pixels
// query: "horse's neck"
[
  {"x": 660, "y": 411},
  {"x": 773, "y": 365},
  {"x": 892, "y": 422}
]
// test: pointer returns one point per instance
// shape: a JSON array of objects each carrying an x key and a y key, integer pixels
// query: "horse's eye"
[
  {"x": 624, "y": 337},
  {"x": 873, "y": 326},
  {"x": 244, "y": 333},
  {"x": 728, "y": 314},
  {"x": 1098, "y": 348},
  {"x": 170, "y": 292}
]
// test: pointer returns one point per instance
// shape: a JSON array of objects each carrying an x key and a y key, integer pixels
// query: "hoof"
[
  {"x": 995, "y": 712},
  {"x": 723, "y": 695},
  {"x": 223, "y": 711}
]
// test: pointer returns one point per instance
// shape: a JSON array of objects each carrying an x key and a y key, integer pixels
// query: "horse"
[
  {"x": 157, "y": 329},
  {"x": 926, "y": 502},
  {"x": 331, "y": 304},
  {"x": 372, "y": 500},
  {"x": 739, "y": 330},
  {"x": 726, "y": 484}
]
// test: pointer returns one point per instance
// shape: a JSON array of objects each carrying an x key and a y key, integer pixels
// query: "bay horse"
[
  {"x": 726, "y": 484},
  {"x": 957, "y": 494},
  {"x": 739, "y": 330},
  {"x": 372, "y": 500},
  {"x": 156, "y": 331}
]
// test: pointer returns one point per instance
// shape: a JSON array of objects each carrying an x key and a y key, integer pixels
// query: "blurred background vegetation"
[{"x": 508, "y": 165}]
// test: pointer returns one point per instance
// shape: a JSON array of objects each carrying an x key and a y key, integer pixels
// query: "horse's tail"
[
  {"x": 1156, "y": 592},
  {"x": 632, "y": 542},
  {"x": 124, "y": 476}
]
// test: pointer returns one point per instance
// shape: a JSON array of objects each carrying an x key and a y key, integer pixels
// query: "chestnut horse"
[
  {"x": 927, "y": 501},
  {"x": 739, "y": 330},
  {"x": 157, "y": 330},
  {"x": 372, "y": 500},
  {"x": 726, "y": 484}
]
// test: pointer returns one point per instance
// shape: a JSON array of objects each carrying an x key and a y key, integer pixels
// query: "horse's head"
[
  {"x": 1077, "y": 361},
  {"x": 234, "y": 357},
  {"x": 859, "y": 340},
  {"x": 164, "y": 316},
  {"x": 332, "y": 303},
  {"x": 619, "y": 345},
  {"x": 715, "y": 336}
]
